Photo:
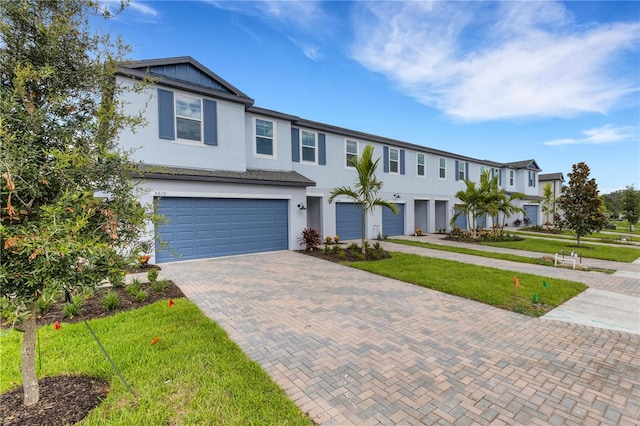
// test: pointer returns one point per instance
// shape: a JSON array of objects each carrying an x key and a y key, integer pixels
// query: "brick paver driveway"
[{"x": 354, "y": 348}]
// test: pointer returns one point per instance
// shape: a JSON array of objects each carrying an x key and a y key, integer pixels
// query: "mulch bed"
[
  {"x": 68, "y": 399},
  {"x": 348, "y": 255}
]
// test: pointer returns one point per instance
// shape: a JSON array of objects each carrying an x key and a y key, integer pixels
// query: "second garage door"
[
  {"x": 393, "y": 224},
  {"x": 348, "y": 221},
  {"x": 200, "y": 228}
]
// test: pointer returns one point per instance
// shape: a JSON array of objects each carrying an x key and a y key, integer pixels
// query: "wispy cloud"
[
  {"x": 600, "y": 135},
  {"x": 141, "y": 8},
  {"x": 498, "y": 60},
  {"x": 301, "y": 17}
]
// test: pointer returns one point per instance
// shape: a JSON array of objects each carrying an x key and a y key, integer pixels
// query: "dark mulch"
[
  {"x": 347, "y": 256},
  {"x": 68, "y": 399},
  {"x": 63, "y": 400}
]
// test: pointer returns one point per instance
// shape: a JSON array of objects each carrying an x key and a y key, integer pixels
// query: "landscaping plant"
[{"x": 59, "y": 124}]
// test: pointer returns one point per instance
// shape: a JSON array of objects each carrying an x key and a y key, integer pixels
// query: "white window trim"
[
  {"x": 175, "y": 121},
  {"x": 445, "y": 168},
  {"x": 424, "y": 165},
  {"x": 274, "y": 145},
  {"x": 398, "y": 161},
  {"x": 346, "y": 166},
  {"x": 315, "y": 146},
  {"x": 462, "y": 170}
]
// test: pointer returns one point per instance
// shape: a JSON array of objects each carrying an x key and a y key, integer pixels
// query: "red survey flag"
[
  {"x": 515, "y": 279},
  {"x": 154, "y": 341},
  {"x": 57, "y": 325},
  {"x": 171, "y": 302}
]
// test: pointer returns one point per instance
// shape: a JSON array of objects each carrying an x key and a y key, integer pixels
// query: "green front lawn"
[
  {"x": 194, "y": 374},
  {"x": 483, "y": 284},
  {"x": 550, "y": 247}
]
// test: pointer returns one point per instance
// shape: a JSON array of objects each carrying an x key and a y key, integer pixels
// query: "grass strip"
[
  {"x": 487, "y": 254},
  {"x": 483, "y": 284},
  {"x": 194, "y": 374},
  {"x": 550, "y": 247}
]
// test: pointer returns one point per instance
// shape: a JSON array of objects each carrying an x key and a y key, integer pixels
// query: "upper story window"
[
  {"x": 308, "y": 146},
  {"x": 351, "y": 151},
  {"x": 394, "y": 160},
  {"x": 511, "y": 177},
  {"x": 420, "y": 164},
  {"x": 442, "y": 168},
  {"x": 532, "y": 179},
  {"x": 461, "y": 170},
  {"x": 265, "y": 137},
  {"x": 188, "y": 118}
]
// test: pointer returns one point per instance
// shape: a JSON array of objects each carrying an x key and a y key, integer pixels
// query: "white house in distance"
[
  {"x": 556, "y": 180},
  {"x": 232, "y": 178}
]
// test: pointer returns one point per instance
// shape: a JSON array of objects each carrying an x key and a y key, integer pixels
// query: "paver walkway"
[{"x": 351, "y": 348}]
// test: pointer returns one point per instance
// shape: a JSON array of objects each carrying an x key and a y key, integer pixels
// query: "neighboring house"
[
  {"x": 232, "y": 178},
  {"x": 557, "y": 182}
]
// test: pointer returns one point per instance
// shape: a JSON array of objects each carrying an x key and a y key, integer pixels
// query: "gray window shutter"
[
  {"x": 385, "y": 158},
  {"x": 402, "y": 161},
  {"x": 500, "y": 173},
  {"x": 457, "y": 170},
  {"x": 210, "y": 115},
  {"x": 166, "y": 118},
  {"x": 322, "y": 149},
  {"x": 295, "y": 145},
  {"x": 466, "y": 171}
]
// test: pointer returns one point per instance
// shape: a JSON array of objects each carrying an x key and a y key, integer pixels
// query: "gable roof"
[
  {"x": 551, "y": 176},
  {"x": 526, "y": 164},
  {"x": 184, "y": 72}
]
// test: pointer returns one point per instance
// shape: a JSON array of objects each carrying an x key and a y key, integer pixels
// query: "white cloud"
[
  {"x": 600, "y": 135},
  {"x": 293, "y": 16},
  {"x": 485, "y": 61},
  {"x": 143, "y": 8},
  {"x": 113, "y": 6}
]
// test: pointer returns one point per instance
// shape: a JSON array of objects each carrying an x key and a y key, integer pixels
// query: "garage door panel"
[
  {"x": 202, "y": 228},
  {"x": 393, "y": 224},
  {"x": 348, "y": 221}
]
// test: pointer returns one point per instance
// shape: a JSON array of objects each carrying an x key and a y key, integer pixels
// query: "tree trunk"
[
  {"x": 364, "y": 229},
  {"x": 29, "y": 377}
]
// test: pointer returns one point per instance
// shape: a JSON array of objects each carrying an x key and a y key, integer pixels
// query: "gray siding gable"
[
  {"x": 189, "y": 74},
  {"x": 184, "y": 73}
]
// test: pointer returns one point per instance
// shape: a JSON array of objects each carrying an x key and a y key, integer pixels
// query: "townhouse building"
[
  {"x": 232, "y": 178},
  {"x": 556, "y": 180}
]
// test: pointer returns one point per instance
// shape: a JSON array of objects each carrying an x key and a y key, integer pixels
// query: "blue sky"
[{"x": 558, "y": 82}]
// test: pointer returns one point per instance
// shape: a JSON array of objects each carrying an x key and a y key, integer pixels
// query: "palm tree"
[
  {"x": 366, "y": 189},
  {"x": 507, "y": 208},
  {"x": 471, "y": 207},
  {"x": 548, "y": 204}
]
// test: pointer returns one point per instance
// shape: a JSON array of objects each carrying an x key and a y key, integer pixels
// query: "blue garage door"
[
  {"x": 348, "y": 221},
  {"x": 393, "y": 224},
  {"x": 531, "y": 212},
  {"x": 461, "y": 221},
  {"x": 199, "y": 228}
]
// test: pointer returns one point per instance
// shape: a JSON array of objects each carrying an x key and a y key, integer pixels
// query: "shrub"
[
  {"x": 116, "y": 278},
  {"x": 158, "y": 286},
  {"x": 152, "y": 275},
  {"x": 310, "y": 238},
  {"x": 337, "y": 250},
  {"x": 134, "y": 287},
  {"x": 526, "y": 221},
  {"x": 71, "y": 309},
  {"x": 517, "y": 222},
  {"x": 327, "y": 249},
  {"x": 327, "y": 240},
  {"x": 140, "y": 295},
  {"x": 46, "y": 301},
  {"x": 111, "y": 301},
  {"x": 336, "y": 239}
]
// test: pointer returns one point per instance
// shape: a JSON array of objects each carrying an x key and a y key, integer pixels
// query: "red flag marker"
[
  {"x": 57, "y": 325},
  {"x": 515, "y": 279},
  {"x": 171, "y": 302},
  {"x": 154, "y": 341}
]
